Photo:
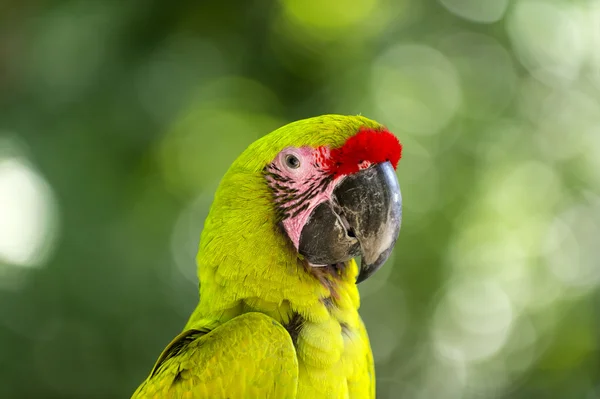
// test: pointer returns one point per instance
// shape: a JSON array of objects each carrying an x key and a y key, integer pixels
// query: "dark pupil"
[{"x": 292, "y": 161}]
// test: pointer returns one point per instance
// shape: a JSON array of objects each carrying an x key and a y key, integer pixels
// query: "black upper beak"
[{"x": 363, "y": 218}]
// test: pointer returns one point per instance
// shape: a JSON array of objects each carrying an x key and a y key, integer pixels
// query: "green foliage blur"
[{"x": 118, "y": 119}]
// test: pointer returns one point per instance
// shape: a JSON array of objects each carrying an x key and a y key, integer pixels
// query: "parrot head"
[
  {"x": 292, "y": 214},
  {"x": 310, "y": 196},
  {"x": 338, "y": 203}
]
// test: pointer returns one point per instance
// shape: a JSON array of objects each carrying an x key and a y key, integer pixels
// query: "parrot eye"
[{"x": 292, "y": 161}]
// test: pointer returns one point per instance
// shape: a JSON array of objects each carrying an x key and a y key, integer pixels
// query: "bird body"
[{"x": 272, "y": 321}]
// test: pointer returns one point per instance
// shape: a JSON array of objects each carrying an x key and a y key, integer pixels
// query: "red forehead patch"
[{"x": 368, "y": 145}]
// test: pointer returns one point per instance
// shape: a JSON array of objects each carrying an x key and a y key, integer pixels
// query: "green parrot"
[{"x": 278, "y": 309}]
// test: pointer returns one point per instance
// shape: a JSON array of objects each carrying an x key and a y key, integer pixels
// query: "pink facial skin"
[
  {"x": 299, "y": 190},
  {"x": 309, "y": 180}
]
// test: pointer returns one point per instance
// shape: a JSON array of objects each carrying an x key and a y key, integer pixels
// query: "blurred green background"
[{"x": 117, "y": 120}]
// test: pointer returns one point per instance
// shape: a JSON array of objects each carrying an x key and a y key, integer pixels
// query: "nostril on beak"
[{"x": 349, "y": 230}]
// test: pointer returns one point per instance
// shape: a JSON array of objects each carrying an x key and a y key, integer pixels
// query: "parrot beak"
[{"x": 362, "y": 219}]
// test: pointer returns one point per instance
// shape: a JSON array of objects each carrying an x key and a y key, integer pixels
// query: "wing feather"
[{"x": 250, "y": 356}]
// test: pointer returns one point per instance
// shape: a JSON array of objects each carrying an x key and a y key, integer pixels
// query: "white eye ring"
[{"x": 292, "y": 161}]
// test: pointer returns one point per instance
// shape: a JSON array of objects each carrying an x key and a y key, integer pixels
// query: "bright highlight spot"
[
  {"x": 549, "y": 39},
  {"x": 571, "y": 248},
  {"x": 485, "y": 11},
  {"x": 416, "y": 87},
  {"x": 329, "y": 14},
  {"x": 27, "y": 212},
  {"x": 473, "y": 321}
]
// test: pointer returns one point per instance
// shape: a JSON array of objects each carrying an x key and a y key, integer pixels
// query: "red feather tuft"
[{"x": 367, "y": 147}]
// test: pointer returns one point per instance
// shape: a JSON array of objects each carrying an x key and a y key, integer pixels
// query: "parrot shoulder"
[{"x": 251, "y": 355}]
